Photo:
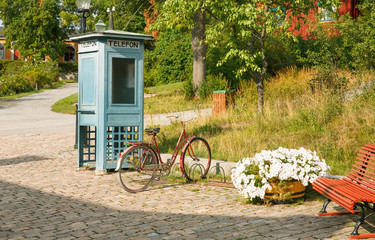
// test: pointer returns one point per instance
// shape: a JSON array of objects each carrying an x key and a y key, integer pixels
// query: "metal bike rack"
[{"x": 219, "y": 171}]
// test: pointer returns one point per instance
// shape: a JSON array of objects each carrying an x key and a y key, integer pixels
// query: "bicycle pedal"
[{"x": 169, "y": 161}]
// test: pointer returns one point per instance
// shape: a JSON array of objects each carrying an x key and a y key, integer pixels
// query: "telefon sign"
[{"x": 122, "y": 44}]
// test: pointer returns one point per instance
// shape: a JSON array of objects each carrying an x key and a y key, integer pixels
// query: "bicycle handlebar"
[{"x": 182, "y": 121}]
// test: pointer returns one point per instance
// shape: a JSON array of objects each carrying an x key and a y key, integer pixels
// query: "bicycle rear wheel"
[
  {"x": 138, "y": 168},
  {"x": 196, "y": 159}
]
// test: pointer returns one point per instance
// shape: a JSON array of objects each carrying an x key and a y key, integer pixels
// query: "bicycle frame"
[
  {"x": 181, "y": 142},
  {"x": 183, "y": 138}
]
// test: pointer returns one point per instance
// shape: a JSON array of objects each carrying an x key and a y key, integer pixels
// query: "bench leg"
[
  {"x": 360, "y": 221},
  {"x": 355, "y": 234},
  {"x": 323, "y": 210}
]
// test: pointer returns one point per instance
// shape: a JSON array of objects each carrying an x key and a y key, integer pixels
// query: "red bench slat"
[
  {"x": 363, "y": 157},
  {"x": 362, "y": 175},
  {"x": 362, "y": 190},
  {"x": 366, "y": 153},
  {"x": 360, "y": 170},
  {"x": 342, "y": 188},
  {"x": 362, "y": 181},
  {"x": 359, "y": 184},
  {"x": 334, "y": 196},
  {"x": 364, "y": 163}
]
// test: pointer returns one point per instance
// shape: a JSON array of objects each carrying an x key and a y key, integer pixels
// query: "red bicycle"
[{"x": 140, "y": 164}]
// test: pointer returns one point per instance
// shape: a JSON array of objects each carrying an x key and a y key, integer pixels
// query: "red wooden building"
[{"x": 347, "y": 6}]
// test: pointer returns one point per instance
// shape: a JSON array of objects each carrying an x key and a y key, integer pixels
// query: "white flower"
[{"x": 284, "y": 164}]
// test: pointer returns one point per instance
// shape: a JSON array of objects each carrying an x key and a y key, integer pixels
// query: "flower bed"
[{"x": 252, "y": 176}]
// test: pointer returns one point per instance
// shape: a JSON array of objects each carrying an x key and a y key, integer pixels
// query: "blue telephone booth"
[{"x": 110, "y": 102}]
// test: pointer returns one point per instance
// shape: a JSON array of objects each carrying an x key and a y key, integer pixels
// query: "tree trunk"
[
  {"x": 199, "y": 45},
  {"x": 259, "y": 77}
]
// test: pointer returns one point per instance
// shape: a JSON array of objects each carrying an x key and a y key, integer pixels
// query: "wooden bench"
[{"x": 354, "y": 191}]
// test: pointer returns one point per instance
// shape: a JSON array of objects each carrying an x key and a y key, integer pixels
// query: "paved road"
[
  {"x": 31, "y": 114},
  {"x": 42, "y": 196}
]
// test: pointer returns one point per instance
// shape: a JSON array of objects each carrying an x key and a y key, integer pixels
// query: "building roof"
[{"x": 112, "y": 33}]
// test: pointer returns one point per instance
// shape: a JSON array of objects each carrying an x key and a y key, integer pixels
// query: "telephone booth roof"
[{"x": 112, "y": 34}]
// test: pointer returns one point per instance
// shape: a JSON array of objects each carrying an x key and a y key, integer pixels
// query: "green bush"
[
  {"x": 189, "y": 90},
  {"x": 227, "y": 69},
  {"x": 279, "y": 53},
  {"x": 68, "y": 67},
  {"x": 5, "y": 62},
  {"x": 327, "y": 78},
  {"x": 171, "y": 60},
  {"x": 14, "y": 84},
  {"x": 21, "y": 77},
  {"x": 212, "y": 83}
]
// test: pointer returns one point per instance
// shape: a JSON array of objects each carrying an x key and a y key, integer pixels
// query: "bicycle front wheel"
[
  {"x": 196, "y": 159},
  {"x": 138, "y": 168}
]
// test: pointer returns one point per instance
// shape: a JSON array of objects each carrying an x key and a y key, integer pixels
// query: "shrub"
[
  {"x": 27, "y": 76},
  {"x": 279, "y": 53},
  {"x": 5, "y": 62},
  {"x": 68, "y": 67},
  {"x": 170, "y": 61},
  {"x": 227, "y": 69},
  {"x": 212, "y": 83},
  {"x": 326, "y": 78},
  {"x": 189, "y": 90}
]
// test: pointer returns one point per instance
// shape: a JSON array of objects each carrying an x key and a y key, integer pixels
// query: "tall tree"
[
  {"x": 247, "y": 24},
  {"x": 199, "y": 44},
  {"x": 191, "y": 14},
  {"x": 128, "y": 15},
  {"x": 33, "y": 27}
]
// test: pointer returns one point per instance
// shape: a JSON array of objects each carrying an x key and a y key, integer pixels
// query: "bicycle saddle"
[{"x": 152, "y": 131}]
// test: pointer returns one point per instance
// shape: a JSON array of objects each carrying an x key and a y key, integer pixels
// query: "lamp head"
[{"x": 83, "y": 5}]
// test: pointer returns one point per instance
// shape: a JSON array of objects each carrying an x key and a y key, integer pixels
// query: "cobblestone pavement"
[{"x": 42, "y": 196}]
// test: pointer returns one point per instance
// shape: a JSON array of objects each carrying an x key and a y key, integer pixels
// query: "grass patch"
[
  {"x": 293, "y": 117},
  {"x": 166, "y": 89},
  {"x": 171, "y": 98},
  {"x": 66, "y": 105},
  {"x": 173, "y": 103}
]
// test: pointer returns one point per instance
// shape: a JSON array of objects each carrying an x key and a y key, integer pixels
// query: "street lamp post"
[{"x": 83, "y": 9}]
